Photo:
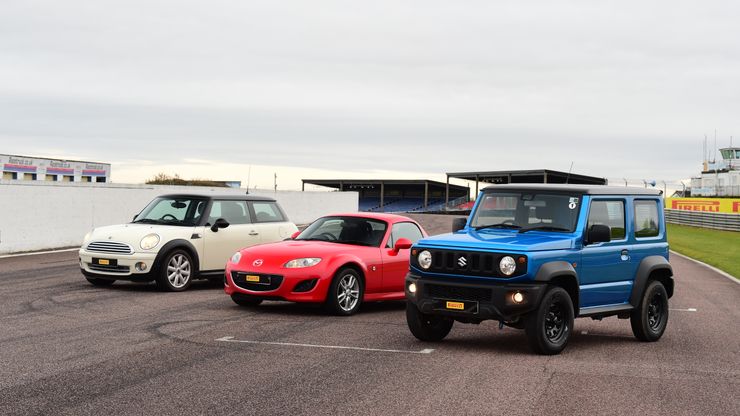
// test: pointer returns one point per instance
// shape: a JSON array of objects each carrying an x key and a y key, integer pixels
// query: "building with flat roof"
[
  {"x": 27, "y": 168},
  {"x": 719, "y": 178}
]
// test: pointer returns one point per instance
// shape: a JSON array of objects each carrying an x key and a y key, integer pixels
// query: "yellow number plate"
[
  {"x": 104, "y": 262},
  {"x": 253, "y": 278},
  {"x": 456, "y": 305}
]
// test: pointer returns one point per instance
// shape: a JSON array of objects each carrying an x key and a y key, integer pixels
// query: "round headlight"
[
  {"x": 236, "y": 257},
  {"x": 507, "y": 265},
  {"x": 149, "y": 241},
  {"x": 301, "y": 263},
  {"x": 425, "y": 259}
]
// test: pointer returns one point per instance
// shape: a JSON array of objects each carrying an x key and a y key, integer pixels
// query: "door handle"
[
  {"x": 625, "y": 255},
  {"x": 254, "y": 233}
]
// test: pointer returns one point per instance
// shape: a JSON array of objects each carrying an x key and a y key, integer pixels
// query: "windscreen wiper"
[
  {"x": 499, "y": 225},
  {"x": 354, "y": 242},
  {"x": 147, "y": 221},
  {"x": 543, "y": 228}
]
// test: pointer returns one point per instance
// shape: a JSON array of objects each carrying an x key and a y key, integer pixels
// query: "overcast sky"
[{"x": 371, "y": 88}]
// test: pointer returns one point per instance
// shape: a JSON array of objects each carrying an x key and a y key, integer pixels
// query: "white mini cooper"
[{"x": 178, "y": 238}]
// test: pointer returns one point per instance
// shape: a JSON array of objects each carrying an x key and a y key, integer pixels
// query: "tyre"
[
  {"x": 425, "y": 327},
  {"x": 245, "y": 300},
  {"x": 176, "y": 271},
  {"x": 549, "y": 327},
  {"x": 345, "y": 293},
  {"x": 99, "y": 282},
  {"x": 650, "y": 318}
]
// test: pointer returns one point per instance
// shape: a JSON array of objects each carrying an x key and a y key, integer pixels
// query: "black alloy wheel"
[
  {"x": 548, "y": 328},
  {"x": 650, "y": 319}
]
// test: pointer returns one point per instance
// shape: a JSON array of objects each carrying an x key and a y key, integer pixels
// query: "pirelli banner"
[{"x": 721, "y": 205}]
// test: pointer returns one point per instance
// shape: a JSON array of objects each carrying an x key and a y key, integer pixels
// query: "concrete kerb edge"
[
  {"x": 712, "y": 268},
  {"x": 34, "y": 253}
]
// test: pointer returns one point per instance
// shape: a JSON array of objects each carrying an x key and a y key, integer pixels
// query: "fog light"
[
  {"x": 140, "y": 266},
  {"x": 412, "y": 287},
  {"x": 518, "y": 297}
]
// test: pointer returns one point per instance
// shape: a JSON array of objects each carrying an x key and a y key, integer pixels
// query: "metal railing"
[{"x": 715, "y": 220}]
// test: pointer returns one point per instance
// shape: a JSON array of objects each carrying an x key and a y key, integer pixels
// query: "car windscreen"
[
  {"x": 346, "y": 230},
  {"x": 527, "y": 211},
  {"x": 173, "y": 211}
]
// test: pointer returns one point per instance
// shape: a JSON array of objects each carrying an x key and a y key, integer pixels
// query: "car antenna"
[{"x": 569, "y": 171}]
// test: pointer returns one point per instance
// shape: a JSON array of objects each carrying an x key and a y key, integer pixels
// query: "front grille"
[
  {"x": 458, "y": 293},
  {"x": 469, "y": 263},
  {"x": 112, "y": 247},
  {"x": 240, "y": 280},
  {"x": 110, "y": 269}
]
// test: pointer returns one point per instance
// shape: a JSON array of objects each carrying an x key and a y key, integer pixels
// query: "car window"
[
  {"x": 267, "y": 212},
  {"x": 556, "y": 212},
  {"x": 609, "y": 213},
  {"x": 406, "y": 230},
  {"x": 646, "y": 219},
  {"x": 235, "y": 212},
  {"x": 346, "y": 230},
  {"x": 171, "y": 211}
]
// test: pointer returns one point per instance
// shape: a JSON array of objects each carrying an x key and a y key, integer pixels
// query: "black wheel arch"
[
  {"x": 175, "y": 244},
  {"x": 561, "y": 274},
  {"x": 652, "y": 268}
]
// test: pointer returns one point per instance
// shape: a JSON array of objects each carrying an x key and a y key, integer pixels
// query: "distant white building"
[
  {"x": 721, "y": 178},
  {"x": 25, "y": 168}
]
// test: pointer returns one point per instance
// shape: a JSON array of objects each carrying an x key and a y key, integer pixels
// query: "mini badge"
[{"x": 573, "y": 203}]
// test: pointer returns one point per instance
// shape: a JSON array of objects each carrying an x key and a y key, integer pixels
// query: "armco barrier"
[{"x": 718, "y": 221}]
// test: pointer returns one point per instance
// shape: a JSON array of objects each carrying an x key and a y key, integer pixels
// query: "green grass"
[{"x": 721, "y": 249}]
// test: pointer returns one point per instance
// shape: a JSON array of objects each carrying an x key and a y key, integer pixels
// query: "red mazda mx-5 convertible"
[{"x": 339, "y": 260}]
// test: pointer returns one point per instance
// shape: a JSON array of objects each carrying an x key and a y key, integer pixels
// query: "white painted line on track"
[
  {"x": 336, "y": 347},
  {"x": 714, "y": 269},
  {"x": 683, "y": 310},
  {"x": 36, "y": 253}
]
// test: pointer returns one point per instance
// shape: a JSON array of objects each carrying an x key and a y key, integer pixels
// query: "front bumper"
[
  {"x": 473, "y": 302},
  {"x": 121, "y": 266},
  {"x": 293, "y": 285}
]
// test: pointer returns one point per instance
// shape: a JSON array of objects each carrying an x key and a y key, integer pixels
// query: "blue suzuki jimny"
[{"x": 535, "y": 257}]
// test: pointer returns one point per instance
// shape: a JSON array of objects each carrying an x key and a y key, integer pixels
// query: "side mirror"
[
  {"x": 295, "y": 235},
  {"x": 402, "y": 244},
  {"x": 458, "y": 224},
  {"x": 219, "y": 223},
  {"x": 599, "y": 234}
]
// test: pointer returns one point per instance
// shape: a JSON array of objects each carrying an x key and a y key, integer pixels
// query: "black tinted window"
[
  {"x": 609, "y": 213},
  {"x": 646, "y": 219},
  {"x": 235, "y": 212},
  {"x": 406, "y": 230},
  {"x": 267, "y": 212}
]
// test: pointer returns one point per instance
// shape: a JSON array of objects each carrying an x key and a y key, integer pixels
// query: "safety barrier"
[{"x": 718, "y": 221}]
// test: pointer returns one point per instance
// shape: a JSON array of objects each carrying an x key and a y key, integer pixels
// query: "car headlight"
[
  {"x": 300, "y": 263},
  {"x": 507, "y": 265},
  {"x": 149, "y": 241},
  {"x": 236, "y": 257},
  {"x": 425, "y": 259}
]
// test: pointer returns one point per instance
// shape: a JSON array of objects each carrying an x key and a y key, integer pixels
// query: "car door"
[
  {"x": 396, "y": 265},
  {"x": 222, "y": 243},
  {"x": 606, "y": 268},
  {"x": 269, "y": 222}
]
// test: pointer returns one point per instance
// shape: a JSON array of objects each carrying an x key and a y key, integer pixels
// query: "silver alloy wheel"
[
  {"x": 348, "y": 292},
  {"x": 178, "y": 271}
]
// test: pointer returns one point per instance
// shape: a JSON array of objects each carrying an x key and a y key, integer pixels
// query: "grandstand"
[
  {"x": 380, "y": 195},
  {"x": 393, "y": 195},
  {"x": 524, "y": 176}
]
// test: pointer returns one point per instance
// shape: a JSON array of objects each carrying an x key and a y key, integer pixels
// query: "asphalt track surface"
[{"x": 70, "y": 348}]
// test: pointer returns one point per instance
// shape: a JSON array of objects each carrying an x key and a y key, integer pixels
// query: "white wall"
[{"x": 46, "y": 215}]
